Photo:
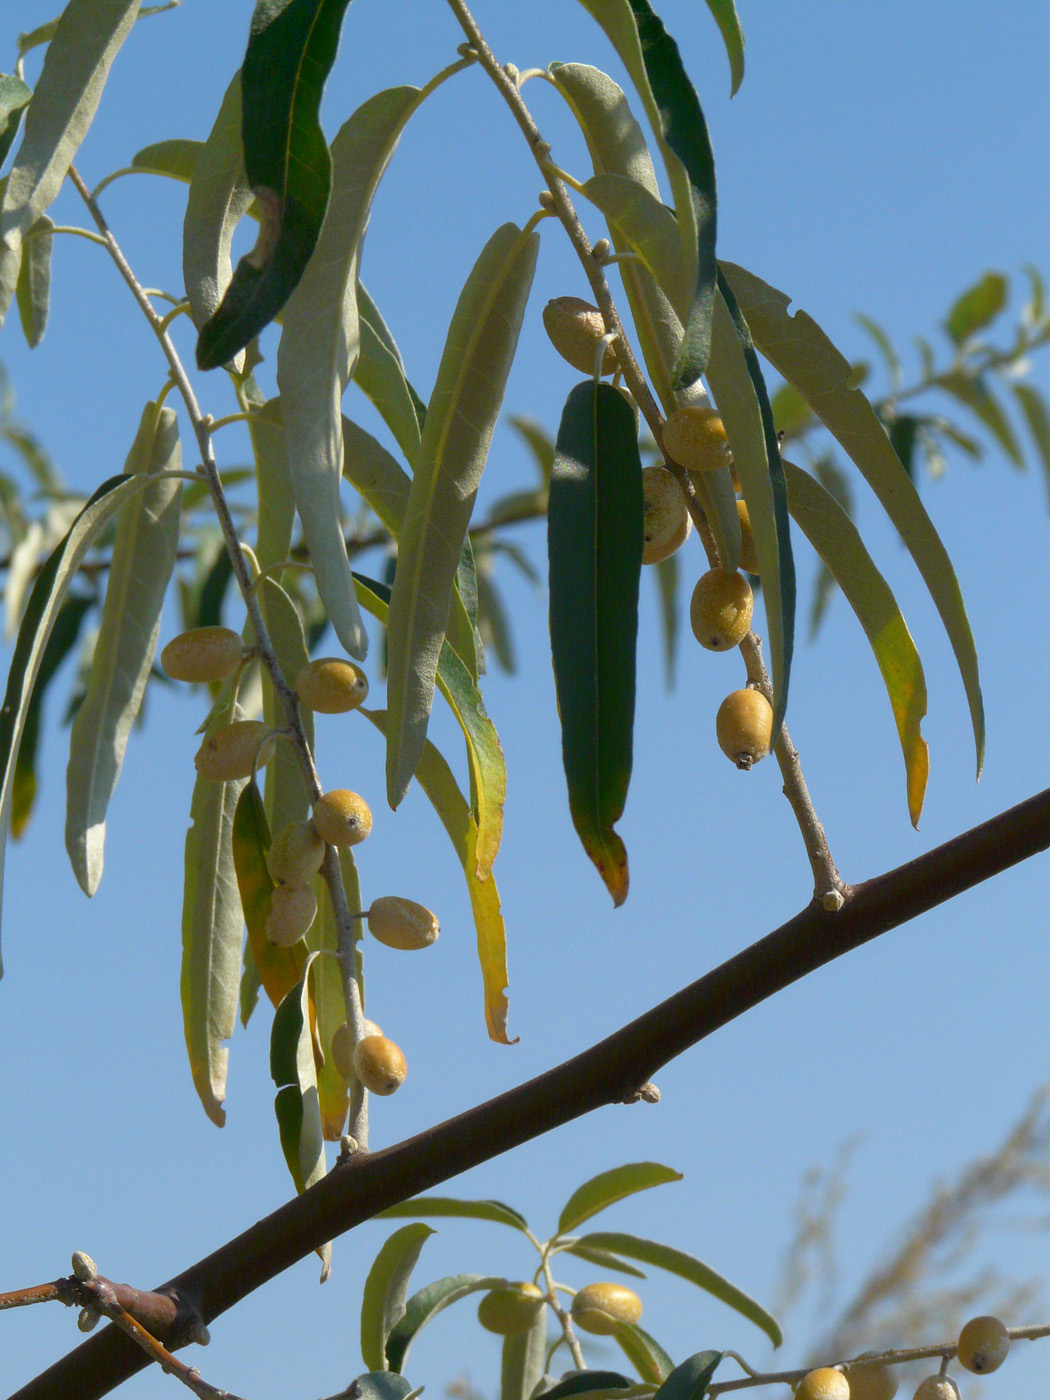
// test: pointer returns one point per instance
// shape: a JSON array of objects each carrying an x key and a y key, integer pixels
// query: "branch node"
[
  {"x": 85, "y": 1269},
  {"x": 833, "y": 900},
  {"x": 645, "y": 1093}
]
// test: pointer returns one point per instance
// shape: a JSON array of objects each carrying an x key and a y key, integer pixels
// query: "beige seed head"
[
  {"x": 720, "y": 609},
  {"x": 202, "y": 654},
  {"x": 332, "y": 685},
  {"x": 231, "y": 750},
  {"x": 601, "y": 1307},
  {"x": 379, "y": 1064},
  {"x": 744, "y": 726},
  {"x": 402, "y": 923},
  {"x": 293, "y": 909},
  {"x": 575, "y": 328},
  {"x": 667, "y": 519},
  {"x": 295, "y": 854},
  {"x": 695, "y": 438},
  {"x": 342, "y": 818}
]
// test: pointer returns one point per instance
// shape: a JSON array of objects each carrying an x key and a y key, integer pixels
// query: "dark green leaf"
[
  {"x": 493, "y": 624},
  {"x": 433, "y": 1206},
  {"x": 902, "y": 434},
  {"x": 689, "y": 1380},
  {"x": 973, "y": 391},
  {"x": 213, "y": 590},
  {"x": 594, "y": 533},
  {"x": 377, "y": 1385},
  {"x": 1033, "y": 406},
  {"x": 14, "y": 98},
  {"x": 290, "y": 52},
  {"x": 426, "y": 1304},
  {"x": 666, "y": 573},
  {"x": 685, "y": 131},
  {"x": 728, "y": 21},
  {"x": 607, "y": 1188},
  {"x": 585, "y": 1382},
  {"x": 644, "y": 1353},
  {"x": 278, "y": 969},
  {"x": 977, "y": 307},
  {"x": 383, "y": 1301}
]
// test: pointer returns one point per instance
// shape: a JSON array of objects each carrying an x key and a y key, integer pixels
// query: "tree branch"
[{"x": 606, "y": 1073}]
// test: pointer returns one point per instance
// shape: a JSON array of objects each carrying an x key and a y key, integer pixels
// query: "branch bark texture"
[{"x": 609, "y": 1072}]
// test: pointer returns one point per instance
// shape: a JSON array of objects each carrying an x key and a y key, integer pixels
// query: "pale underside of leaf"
[
  {"x": 797, "y": 347},
  {"x": 383, "y": 1300},
  {"x": 142, "y": 561},
  {"x": 76, "y": 65}
]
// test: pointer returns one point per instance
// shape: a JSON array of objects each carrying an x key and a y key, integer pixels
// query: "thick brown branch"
[{"x": 605, "y": 1074}]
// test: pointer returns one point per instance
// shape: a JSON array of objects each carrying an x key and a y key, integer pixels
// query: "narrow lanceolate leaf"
[
  {"x": 488, "y": 770},
  {"x": 802, "y": 353},
  {"x": 594, "y": 535},
  {"x": 689, "y": 1380},
  {"x": 291, "y": 50},
  {"x": 664, "y": 1256},
  {"x": 33, "y": 289},
  {"x": 1033, "y": 406},
  {"x": 218, "y": 199},
  {"x": 329, "y": 998},
  {"x": 461, "y": 416},
  {"x": 292, "y": 1070},
  {"x": 276, "y": 519},
  {"x": 977, "y": 307},
  {"x": 644, "y": 1353},
  {"x": 736, "y": 379},
  {"x": 49, "y": 591},
  {"x": 725, "y": 15},
  {"x": 648, "y": 228},
  {"x": 435, "y": 778},
  {"x": 14, "y": 98},
  {"x": 211, "y": 936},
  {"x": 685, "y": 132},
  {"x": 381, "y": 375},
  {"x": 176, "y": 159},
  {"x": 601, "y": 1257},
  {"x": 521, "y": 1366},
  {"x": 279, "y": 969},
  {"x": 143, "y": 558},
  {"x": 836, "y": 539},
  {"x": 596, "y": 1385},
  {"x": 76, "y": 65},
  {"x": 319, "y": 349},
  {"x": 426, "y": 1304},
  {"x": 973, "y": 391},
  {"x": 435, "y": 1206},
  {"x": 383, "y": 1301},
  {"x": 607, "y": 1188},
  {"x": 287, "y": 799}
]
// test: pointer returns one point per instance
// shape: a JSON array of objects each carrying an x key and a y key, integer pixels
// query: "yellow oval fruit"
[
  {"x": 379, "y": 1064},
  {"x": 332, "y": 686},
  {"x": 202, "y": 654},
  {"x": 667, "y": 519},
  {"x": 293, "y": 909},
  {"x": 402, "y": 923},
  {"x": 601, "y": 1307},
  {"x": 744, "y": 725},
  {"x": 230, "y": 752},
  {"x": 295, "y": 854},
  {"x": 342, "y": 818},
  {"x": 871, "y": 1380},
  {"x": 509, "y": 1310},
  {"x": 983, "y": 1345},
  {"x": 574, "y": 327},
  {"x": 748, "y": 557},
  {"x": 695, "y": 438},
  {"x": 825, "y": 1383},
  {"x": 720, "y": 609},
  {"x": 343, "y": 1051},
  {"x": 937, "y": 1388}
]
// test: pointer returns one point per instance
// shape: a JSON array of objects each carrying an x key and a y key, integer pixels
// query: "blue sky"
[{"x": 876, "y": 159}]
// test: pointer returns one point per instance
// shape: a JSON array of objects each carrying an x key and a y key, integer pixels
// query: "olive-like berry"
[
  {"x": 401, "y": 923},
  {"x": 825, "y": 1383},
  {"x": 342, "y": 818},
  {"x": 695, "y": 438},
  {"x": 720, "y": 609},
  {"x": 203, "y": 654},
  {"x": 983, "y": 1345},
  {"x": 748, "y": 555},
  {"x": 667, "y": 519},
  {"x": 295, "y": 854},
  {"x": 744, "y": 725},
  {"x": 379, "y": 1064},
  {"x": 871, "y": 1380},
  {"x": 293, "y": 909},
  {"x": 343, "y": 1051},
  {"x": 937, "y": 1388},
  {"x": 601, "y": 1307},
  {"x": 574, "y": 328},
  {"x": 230, "y": 752},
  {"x": 332, "y": 686},
  {"x": 509, "y": 1310}
]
